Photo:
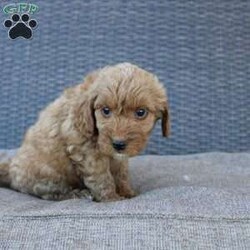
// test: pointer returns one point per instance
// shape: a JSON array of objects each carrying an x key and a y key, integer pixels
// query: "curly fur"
[{"x": 69, "y": 149}]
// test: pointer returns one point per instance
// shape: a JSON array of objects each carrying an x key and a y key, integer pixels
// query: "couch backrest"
[{"x": 199, "y": 49}]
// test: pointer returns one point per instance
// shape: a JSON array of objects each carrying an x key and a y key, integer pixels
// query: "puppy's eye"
[
  {"x": 106, "y": 112},
  {"x": 141, "y": 113}
]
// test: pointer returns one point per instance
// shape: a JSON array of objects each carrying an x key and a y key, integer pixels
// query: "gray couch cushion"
[{"x": 196, "y": 202}]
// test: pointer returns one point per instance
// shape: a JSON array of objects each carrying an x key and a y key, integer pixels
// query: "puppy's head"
[{"x": 126, "y": 101}]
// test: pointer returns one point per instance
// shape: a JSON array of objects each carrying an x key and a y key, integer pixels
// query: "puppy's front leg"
[
  {"x": 119, "y": 170},
  {"x": 98, "y": 179}
]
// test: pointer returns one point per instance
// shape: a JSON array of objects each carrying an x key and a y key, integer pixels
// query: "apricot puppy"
[{"x": 82, "y": 141}]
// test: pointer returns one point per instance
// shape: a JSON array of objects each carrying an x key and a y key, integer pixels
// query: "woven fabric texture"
[
  {"x": 199, "y": 49},
  {"x": 198, "y": 201}
]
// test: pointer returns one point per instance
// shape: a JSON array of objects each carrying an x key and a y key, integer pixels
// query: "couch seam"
[{"x": 134, "y": 216}]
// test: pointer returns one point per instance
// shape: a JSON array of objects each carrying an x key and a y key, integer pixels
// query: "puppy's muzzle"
[{"x": 119, "y": 145}]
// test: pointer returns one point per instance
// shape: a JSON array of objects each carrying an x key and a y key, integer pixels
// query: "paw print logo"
[{"x": 20, "y": 26}]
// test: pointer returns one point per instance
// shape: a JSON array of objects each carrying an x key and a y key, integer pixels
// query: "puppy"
[{"x": 81, "y": 143}]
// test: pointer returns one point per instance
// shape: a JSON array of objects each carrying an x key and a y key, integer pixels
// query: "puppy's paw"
[
  {"x": 109, "y": 197},
  {"x": 78, "y": 194},
  {"x": 124, "y": 189},
  {"x": 127, "y": 193}
]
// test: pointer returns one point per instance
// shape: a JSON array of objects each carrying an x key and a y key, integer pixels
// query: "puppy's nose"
[{"x": 119, "y": 145}]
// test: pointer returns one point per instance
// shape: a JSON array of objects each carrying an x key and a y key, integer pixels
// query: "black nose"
[{"x": 119, "y": 145}]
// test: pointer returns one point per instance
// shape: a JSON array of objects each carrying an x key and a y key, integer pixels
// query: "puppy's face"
[
  {"x": 123, "y": 129},
  {"x": 128, "y": 101}
]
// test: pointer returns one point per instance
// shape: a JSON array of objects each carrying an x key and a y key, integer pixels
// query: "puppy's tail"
[{"x": 4, "y": 172}]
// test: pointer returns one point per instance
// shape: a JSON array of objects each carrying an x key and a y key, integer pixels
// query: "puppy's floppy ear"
[
  {"x": 85, "y": 121},
  {"x": 165, "y": 120},
  {"x": 84, "y": 110}
]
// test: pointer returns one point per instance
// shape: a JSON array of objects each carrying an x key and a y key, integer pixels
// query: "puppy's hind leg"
[
  {"x": 35, "y": 175},
  {"x": 49, "y": 190}
]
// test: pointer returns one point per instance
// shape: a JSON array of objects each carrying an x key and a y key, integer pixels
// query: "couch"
[{"x": 194, "y": 188}]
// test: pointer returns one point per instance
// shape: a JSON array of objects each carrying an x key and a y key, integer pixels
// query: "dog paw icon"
[{"x": 20, "y": 26}]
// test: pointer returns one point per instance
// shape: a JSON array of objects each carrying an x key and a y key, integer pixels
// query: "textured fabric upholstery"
[
  {"x": 198, "y": 201},
  {"x": 201, "y": 52},
  {"x": 199, "y": 49}
]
